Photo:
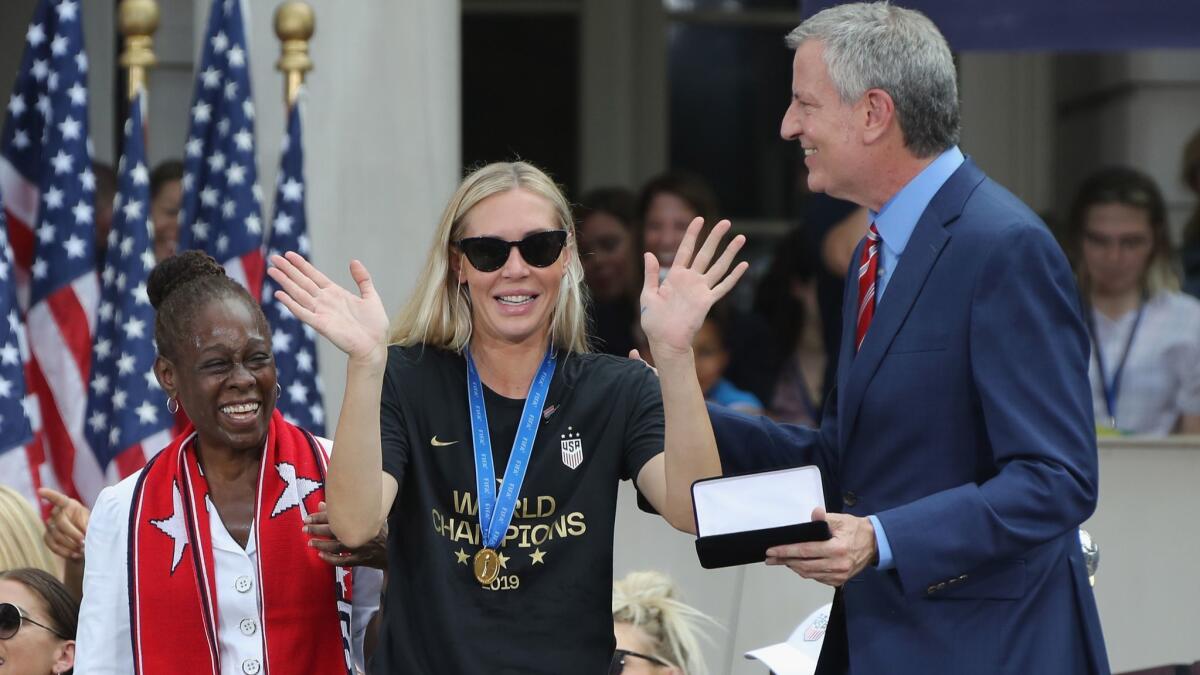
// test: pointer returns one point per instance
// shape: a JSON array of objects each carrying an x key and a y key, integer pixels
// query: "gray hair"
[{"x": 873, "y": 45}]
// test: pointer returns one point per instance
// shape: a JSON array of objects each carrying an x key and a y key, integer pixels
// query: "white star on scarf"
[
  {"x": 173, "y": 527},
  {"x": 294, "y": 492}
]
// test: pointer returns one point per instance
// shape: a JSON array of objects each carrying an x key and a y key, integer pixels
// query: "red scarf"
[{"x": 172, "y": 581}]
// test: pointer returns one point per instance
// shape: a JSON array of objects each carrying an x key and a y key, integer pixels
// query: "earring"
[
  {"x": 278, "y": 391},
  {"x": 172, "y": 405}
]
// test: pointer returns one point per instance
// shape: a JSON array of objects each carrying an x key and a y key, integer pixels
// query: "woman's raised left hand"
[{"x": 357, "y": 324}]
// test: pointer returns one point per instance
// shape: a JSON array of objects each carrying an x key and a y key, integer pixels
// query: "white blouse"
[
  {"x": 1161, "y": 379},
  {"x": 103, "y": 643}
]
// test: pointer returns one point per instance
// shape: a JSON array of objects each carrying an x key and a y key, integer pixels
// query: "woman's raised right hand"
[{"x": 357, "y": 324}]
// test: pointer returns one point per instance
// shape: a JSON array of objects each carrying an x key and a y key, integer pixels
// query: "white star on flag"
[
  {"x": 293, "y": 190},
  {"x": 174, "y": 527},
  {"x": 36, "y": 35},
  {"x": 66, "y": 10},
  {"x": 75, "y": 246},
  {"x": 294, "y": 492},
  {"x": 78, "y": 94},
  {"x": 147, "y": 413}
]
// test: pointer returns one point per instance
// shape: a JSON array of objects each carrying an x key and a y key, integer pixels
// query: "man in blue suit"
[{"x": 957, "y": 450}]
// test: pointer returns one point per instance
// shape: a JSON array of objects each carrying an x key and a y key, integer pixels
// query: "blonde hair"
[
  {"x": 21, "y": 535},
  {"x": 439, "y": 312},
  {"x": 646, "y": 600}
]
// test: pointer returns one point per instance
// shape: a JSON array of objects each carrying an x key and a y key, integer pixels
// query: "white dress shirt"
[{"x": 103, "y": 643}]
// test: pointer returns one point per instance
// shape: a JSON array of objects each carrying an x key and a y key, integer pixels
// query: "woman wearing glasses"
[
  {"x": 489, "y": 438},
  {"x": 37, "y": 623}
]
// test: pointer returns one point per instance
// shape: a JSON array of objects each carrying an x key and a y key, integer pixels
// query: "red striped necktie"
[{"x": 868, "y": 269}]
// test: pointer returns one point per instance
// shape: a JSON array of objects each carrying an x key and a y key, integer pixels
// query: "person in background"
[
  {"x": 208, "y": 559},
  {"x": 666, "y": 206},
  {"x": 657, "y": 634},
  {"x": 38, "y": 617},
  {"x": 606, "y": 250},
  {"x": 166, "y": 198},
  {"x": 787, "y": 297},
  {"x": 106, "y": 192},
  {"x": 712, "y": 358},
  {"x": 1145, "y": 363},
  {"x": 21, "y": 533},
  {"x": 1190, "y": 250}
]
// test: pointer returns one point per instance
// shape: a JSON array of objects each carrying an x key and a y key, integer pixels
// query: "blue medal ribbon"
[{"x": 495, "y": 514}]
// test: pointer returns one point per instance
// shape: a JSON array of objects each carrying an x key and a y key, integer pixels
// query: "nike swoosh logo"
[{"x": 440, "y": 444}]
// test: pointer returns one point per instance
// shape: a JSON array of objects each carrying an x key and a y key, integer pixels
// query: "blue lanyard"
[
  {"x": 495, "y": 515},
  {"x": 1112, "y": 387}
]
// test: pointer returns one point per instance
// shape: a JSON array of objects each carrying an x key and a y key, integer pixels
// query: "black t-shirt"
[{"x": 549, "y": 611}]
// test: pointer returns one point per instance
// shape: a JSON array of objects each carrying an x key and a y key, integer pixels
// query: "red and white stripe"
[
  {"x": 868, "y": 271},
  {"x": 59, "y": 335}
]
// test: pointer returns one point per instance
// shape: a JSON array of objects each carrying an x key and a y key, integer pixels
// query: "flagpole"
[
  {"x": 294, "y": 24},
  {"x": 138, "y": 19}
]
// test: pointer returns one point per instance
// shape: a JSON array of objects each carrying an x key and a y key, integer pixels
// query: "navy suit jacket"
[{"x": 965, "y": 425}]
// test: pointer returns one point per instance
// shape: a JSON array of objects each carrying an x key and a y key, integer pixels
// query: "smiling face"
[
  {"x": 515, "y": 303},
  {"x": 666, "y": 220},
  {"x": 223, "y": 374},
  {"x": 823, "y": 125},
  {"x": 33, "y": 650}
]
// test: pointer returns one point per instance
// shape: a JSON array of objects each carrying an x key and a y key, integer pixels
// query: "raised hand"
[
  {"x": 357, "y": 324},
  {"x": 674, "y": 310},
  {"x": 66, "y": 525}
]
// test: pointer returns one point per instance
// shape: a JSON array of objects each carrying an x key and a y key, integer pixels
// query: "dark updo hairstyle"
[
  {"x": 1128, "y": 187},
  {"x": 62, "y": 606},
  {"x": 180, "y": 286}
]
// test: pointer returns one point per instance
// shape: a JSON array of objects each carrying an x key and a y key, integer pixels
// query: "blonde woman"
[
  {"x": 656, "y": 632},
  {"x": 488, "y": 382},
  {"x": 21, "y": 534}
]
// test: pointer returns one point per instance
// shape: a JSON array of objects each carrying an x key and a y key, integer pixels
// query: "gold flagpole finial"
[
  {"x": 138, "y": 19},
  {"x": 294, "y": 24}
]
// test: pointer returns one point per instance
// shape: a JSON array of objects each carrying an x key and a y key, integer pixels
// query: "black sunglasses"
[
  {"x": 619, "y": 656},
  {"x": 488, "y": 254},
  {"x": 11, "y": 617}
]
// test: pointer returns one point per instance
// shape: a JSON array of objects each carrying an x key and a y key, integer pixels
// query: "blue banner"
[{"x": 1057, "y": 25}]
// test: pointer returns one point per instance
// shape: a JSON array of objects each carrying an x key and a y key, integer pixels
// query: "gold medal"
[{"x": 487, "y": 566}]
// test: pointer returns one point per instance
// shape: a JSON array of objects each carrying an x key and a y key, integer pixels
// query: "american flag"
[
  {"x": 14, "y": 423},
  {"x": 293, "y": 341},
  {"x": 127, "y": 418},
  {"x": 222, "y": 203},
  {"x": 48, "y": 187}
]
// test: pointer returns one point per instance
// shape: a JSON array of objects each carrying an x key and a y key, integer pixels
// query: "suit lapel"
[{"x": 924, "y": 246}]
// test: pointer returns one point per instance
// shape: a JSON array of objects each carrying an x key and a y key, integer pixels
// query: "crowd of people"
[{"x": 467, "y": 514}]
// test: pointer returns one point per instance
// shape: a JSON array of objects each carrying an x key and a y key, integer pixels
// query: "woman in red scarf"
[{"x": 200, "y": 562}]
